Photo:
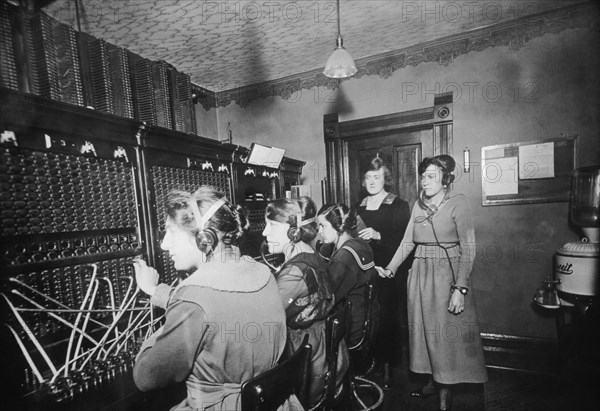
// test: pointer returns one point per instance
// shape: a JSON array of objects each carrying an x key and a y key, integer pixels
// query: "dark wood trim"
[
  {"x": 291, "y": 165},
  {"x": 524, "y": 354},
  {"x": 340, "y": 137},
  {"x": 188, "y": 144},
  {"x": 419, "y": 118},
  {"x": 331, "y": 133},
  {"x": 27, "y": 111}
]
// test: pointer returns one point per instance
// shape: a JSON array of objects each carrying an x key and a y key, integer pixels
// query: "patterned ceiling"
[{"x": 227, "y": 44}]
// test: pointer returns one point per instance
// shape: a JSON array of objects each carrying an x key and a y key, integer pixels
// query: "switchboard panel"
[{"x": 71, "y": 225}]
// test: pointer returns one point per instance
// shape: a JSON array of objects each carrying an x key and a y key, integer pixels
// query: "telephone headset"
[
  {"x": 430, "y": 209},
  {"x": 447, "y": 179},
  {"x": 264, "y": 248},
  {"x": 206, "y": 238},
  {"x": 295, "y": 233},
  {"x": 343, "y": 217}
]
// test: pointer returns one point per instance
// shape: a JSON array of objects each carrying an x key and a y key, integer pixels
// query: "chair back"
[
  {"x": 366, "y": 394},
  {"x": 269, "y": 390},
  {"x": 336, "y": 328},
  {"x": 365, "y": 339}
]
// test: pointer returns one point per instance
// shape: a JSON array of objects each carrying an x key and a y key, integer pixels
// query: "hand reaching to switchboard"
[{"x": 145, "y": 276}]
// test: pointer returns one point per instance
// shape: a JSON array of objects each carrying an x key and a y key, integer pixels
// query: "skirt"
[{"x": 445, "y": 345}]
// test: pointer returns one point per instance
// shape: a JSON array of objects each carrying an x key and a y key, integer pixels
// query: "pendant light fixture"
[{"x": 340, "y": 64}]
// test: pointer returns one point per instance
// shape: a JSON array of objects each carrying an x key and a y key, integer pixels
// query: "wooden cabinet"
[{"x": 255, "y": 186}]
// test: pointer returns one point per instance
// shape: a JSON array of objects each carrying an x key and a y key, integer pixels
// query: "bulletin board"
[{"x": 528, "y": 172}]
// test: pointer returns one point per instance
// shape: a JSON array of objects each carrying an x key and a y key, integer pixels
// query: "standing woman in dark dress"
[{"x": 386, "y": 217}]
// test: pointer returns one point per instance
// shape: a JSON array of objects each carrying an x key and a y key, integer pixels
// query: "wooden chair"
[
  {"x": 336, "y": 328},
  {"x": 365, "y": 341},
  {"x": 269, "y": 390},
  {"x": 367, "y": 395}
]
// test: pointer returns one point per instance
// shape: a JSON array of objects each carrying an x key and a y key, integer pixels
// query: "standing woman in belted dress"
[
  {"x": 445, "y": 340},
  {"x": 385, "y": 216}
]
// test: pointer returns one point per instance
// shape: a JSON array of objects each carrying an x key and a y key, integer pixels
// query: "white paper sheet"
[
  {"x": 536, "y": 161},
  {"x": 500, "y": 176}
]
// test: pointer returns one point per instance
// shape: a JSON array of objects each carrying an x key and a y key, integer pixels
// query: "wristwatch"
[{"x": 462, "y": 290}]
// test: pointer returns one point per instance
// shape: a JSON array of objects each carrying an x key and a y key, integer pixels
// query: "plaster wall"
[{"x": 547, "y": 88}]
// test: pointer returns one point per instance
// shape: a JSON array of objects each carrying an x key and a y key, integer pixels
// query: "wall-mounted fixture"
[
  {"x": 467, "y": 159},
  {"x": 340, "y": 64}
]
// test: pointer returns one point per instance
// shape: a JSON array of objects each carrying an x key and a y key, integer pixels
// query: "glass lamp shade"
[{"x": 340, "y": 64}]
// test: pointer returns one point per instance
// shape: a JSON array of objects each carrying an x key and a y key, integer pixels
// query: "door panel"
[
  {"x": 401, "y": 151},
  {"x": 406, "y": 163}
]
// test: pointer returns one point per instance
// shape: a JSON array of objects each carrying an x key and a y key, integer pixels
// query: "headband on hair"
[
  {"x": 342, "y": 213},
  {"x": 201, "y": 220},
  {"x": 301, "y": 223}
]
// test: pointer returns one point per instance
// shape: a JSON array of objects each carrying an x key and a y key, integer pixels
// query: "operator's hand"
[
  {"x": 384, "y": 272},
  {"x": 369, "y": 233},
  {"x": 457, "y": 302},
  {"x": 145, "y": 276}
]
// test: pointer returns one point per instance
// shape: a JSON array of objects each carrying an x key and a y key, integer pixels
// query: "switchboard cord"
[
  {"x": 114, "y": 339},
  {"x": 111, "y": 294},
  {"x": 78, "y": 318},
  {"x": 30, "y": 334},
  {"x": 26, "y": 355},
  {"x": 66, "y": 308},
  {"x": 106, "y": 334},
  {"x": 51, "y": 314},
  {"x": 87, "y": 315}
]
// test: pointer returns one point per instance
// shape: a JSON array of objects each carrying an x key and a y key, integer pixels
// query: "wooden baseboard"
[{"x": 524, "y": 354}]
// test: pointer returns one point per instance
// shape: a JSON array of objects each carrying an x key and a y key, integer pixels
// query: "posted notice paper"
[
  {"x": 536, "y": 161},
  {"x": 500, "y": 176}
]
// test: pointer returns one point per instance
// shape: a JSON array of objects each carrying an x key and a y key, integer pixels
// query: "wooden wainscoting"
[{"x": 527, "y": 354}]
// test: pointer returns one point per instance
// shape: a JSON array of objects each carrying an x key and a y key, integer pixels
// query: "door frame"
[{"x": 437, "y": 118}]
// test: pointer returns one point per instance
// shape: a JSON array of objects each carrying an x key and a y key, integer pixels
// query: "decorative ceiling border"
[
  {"x": 206, "y": 98},
  {"x": 514, "y": 35}
]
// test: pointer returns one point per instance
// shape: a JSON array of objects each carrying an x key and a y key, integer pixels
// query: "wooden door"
[
  {"x": 406, "y": 163},
  {"x": 402, "y": 152},
  {"x": 401, "y": 139}
]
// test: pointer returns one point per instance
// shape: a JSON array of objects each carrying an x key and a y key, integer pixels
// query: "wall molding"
[
  {"x": 513, "y": 34},
  {"x": 524, "y": 354}
]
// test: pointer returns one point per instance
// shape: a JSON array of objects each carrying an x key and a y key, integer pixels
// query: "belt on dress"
[{"x": 451, "y": 244}]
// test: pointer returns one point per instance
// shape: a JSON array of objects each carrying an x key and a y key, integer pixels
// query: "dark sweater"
[{"x": 390, "y": 220}]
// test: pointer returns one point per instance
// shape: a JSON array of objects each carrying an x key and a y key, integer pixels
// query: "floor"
[
  {"x": 506, "y": 390},
  {"x": 573, "y": 388}
]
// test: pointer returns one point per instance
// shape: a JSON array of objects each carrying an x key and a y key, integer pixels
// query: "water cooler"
[
  {"x": 577, "y": 264},
  {"x": 574, "y": 290}
]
